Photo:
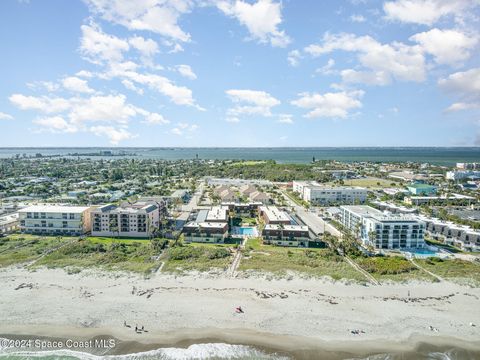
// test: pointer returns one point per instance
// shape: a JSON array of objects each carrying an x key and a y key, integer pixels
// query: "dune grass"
[
  {"x": 126, "y": 255},
  {"x": 392, "y": 268},
  {"x": 19, "y": 248},
  {"x": 456, "y": 270},
  {"x": 279, "y": 260},
  {"x": 199, "y": 257}
]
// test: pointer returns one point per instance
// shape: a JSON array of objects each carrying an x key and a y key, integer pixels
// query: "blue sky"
[{"x": 239, "y": 73}]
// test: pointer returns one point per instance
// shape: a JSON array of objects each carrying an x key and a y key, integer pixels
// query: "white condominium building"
[
  {"x": 273, "y": 215},
  {"x": 318, "y": 194},
  {"x": 136, "y": 220},
  {"x": 383, "y": 231},
  {"x": 54, "y": 220}
]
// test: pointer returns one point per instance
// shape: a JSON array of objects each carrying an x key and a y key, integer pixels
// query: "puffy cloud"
[
  {"x": 109, "y": 108},
  {"x": 99, "y": 47},
  {"x": 186, "y": 71},
  {"x": 5, "y": 116},
  {"x": 251, "y": 102},
  {"x": 357, "y": 18},
  {"x": 182, "y": 128},
  {"x": 382, "y": 61},
  {"x": 55, "y": 124},
  {"x": 107, "y": 115},
  {"x": 425, "y": 12},
  {"x": 446, "y": 46},
  {"x": 76, "y": 84},
  {"x": 179, "y": 95},
  {"x": 115, "y": 135},
  {"x": 337, "y": 105},
  {"x": 294, "y": 57},
  {"x": 131, "y": 86},
  {"x": 465, "y": 85},
  {"x": 146, "y": 47},
  {"x": 44, "y": 104},
  {"x": 261, "y": 18},
  {"x": 327, "y": 68},
  {"x": 285, "y": 119},
  {"x": 159, "y": 16}
]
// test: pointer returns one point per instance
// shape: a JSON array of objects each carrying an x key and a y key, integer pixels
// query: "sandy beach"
[{"x": 284, "y": 314}]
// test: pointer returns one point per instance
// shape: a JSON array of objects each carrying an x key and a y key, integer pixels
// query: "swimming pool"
[
  {"x": 245, "y": 231},
  {"x": 422, "y": 253}
]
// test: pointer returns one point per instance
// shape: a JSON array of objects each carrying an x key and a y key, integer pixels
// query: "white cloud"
[
  {"x": 232, "y": 119},
  {"x": 50, "y": 86},
  {"x": 159, "y": 16},
  {"x": 465, "y": 85},
  {"x": 425, "y": 12},
  {"x": 131, "y": 86},
  {"x": 109, "y": 108},
  {"x": 357, "y": 18},
  {"x": 182, "y": 128},
  {"x": 44, "y": 104},
  {"x": 294, "y": 57},
  {"x": 5, "y": 116},
  {"x": 115, "y": 135},
  {"x": 285, "y": 119},
  {"x": 84, "y": 73},
  {"x": 179, "y": 95},
  {"x": 146, "y": 47},
  {"x": 99, "y": 47},
  {"x": 251, "y": 102},
  {"x": 447, "y": 46},
  {"x": 155, "y": 118},
  {"x": 55, "y": 124},
  {"x": 327, "y": 68},
  {"x": 336, "y": 105},
  {"x": 76, "y": 84},
  {"x": 382, "y": 62},
  {"x": 186, "y": 71},
  {"x": 261, "y": 18}
]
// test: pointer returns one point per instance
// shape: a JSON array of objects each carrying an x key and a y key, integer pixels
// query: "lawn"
[
  {"x": 456, "y": 269},
  {"x": 278, "y": 260},
  {"x": 371, "y": 182},
  {"x": 395, "y": 268},
  {"x": 200, "y": 257},
  {"x": 16, "y": 249},
  {"x": 107, "y": 254}
]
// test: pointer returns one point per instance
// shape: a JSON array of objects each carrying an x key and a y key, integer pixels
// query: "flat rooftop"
[
  {"x": 274, "y": 214},
  {"x": 54, "y": 208},
  {"x": 217, "y": 213},
  {"x": 368, "y": 211},
  {"x": 286, "y": 227},
  {"x": 210, "y": 225}
]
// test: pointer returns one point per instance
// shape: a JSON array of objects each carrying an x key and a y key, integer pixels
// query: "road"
[{"x": 316, "y": 224}]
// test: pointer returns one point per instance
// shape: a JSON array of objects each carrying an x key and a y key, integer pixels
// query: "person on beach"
[{"x": 239, "y": 310}]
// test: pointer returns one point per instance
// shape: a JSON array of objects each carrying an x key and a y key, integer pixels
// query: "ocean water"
[
  {"x": 439, "y": 156},
  {"x": 222, "y": 351}
]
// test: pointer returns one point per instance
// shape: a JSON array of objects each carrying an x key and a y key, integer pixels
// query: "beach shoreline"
[
  {"x": 296, "y": 316},
  {"x": 281, "y": 345}
]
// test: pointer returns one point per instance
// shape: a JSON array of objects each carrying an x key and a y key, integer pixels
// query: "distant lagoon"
[{"x": 433, "y": 155}]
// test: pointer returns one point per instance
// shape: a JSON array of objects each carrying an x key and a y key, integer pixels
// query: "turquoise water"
[
  {"x": 423, "y": 253},
  {"x": 248, "y": 231},
  {"x": 440, "y": 156}
]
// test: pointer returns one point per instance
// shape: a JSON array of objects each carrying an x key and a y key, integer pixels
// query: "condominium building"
[
  {"x": 8, "y": 223},
  {"x": 129, "y": 220},
  {"x": 217, "y": 214},
  {"x": 212, "y": 232},
  {"x": 286, "y": 235},
  {"x": 54, "y": 220},
  {"x": 273, "y": 215},
  {"x": 318, "y": 194},
  {"x": 462, "y": 174},
  {"x": 383, "y": 230}
]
